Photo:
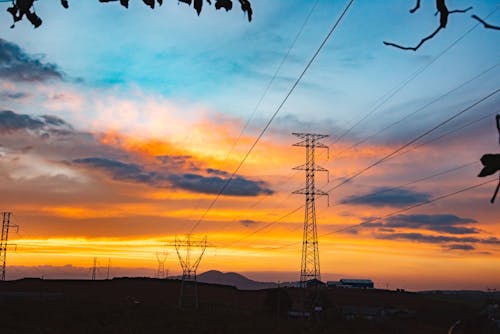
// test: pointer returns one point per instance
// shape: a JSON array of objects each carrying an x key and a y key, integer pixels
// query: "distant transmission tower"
[
  {"x": 310, "y": 269},
  {"x": 4, "y": 241},
  {"x": 107, "y": 271},
  {"x": 94, "y": 269},
  {"x": 189, "y": 263},
  {"x": 161, "y": 257}
]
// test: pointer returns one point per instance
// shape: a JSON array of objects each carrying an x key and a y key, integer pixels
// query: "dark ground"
[{"x": 151, "y": 306}]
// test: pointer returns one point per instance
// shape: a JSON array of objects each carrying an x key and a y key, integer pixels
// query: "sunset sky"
[{"x": 119, "y": 127}]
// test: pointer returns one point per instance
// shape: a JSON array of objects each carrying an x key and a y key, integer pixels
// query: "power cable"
[
  {"x": 292, "y": 89},
  {"x": 372, "y": 194},
  {"x": 393, "y": 153},
  {"x": 394, "y": 213},
  {"x": 411, "y": 78},
  {"x": 419, "y": 109}
]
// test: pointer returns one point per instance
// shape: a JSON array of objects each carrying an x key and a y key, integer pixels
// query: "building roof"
[{"x": 355, "y": 281}]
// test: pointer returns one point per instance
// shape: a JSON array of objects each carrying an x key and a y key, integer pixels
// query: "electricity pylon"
[
  {"x": 189, "y": 288},
  {"x": 310, "y": 269},
  {"x": 161, "y": 257},
  {"x": 94, "y": 269},
  {"x": 4, "y": 241},
  {"x": 107, "y": 271}
]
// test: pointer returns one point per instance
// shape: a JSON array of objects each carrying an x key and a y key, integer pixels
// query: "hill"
[
  {"x": 233, "y": 279},
  {"x": 146, "y": 305}
]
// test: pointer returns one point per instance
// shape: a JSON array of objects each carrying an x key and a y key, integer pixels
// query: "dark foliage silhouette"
[
  {"x": 443, "y": 12},
  {"x": 24, "y": 8},
  {"x": 485, "y": 24},
  {"x": 491, "y": 163}
]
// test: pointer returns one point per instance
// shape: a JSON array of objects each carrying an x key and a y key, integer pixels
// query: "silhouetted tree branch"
[
  {"x": 491, "y": 163},
  {"x": 22, "y": 8},
  {"x": 417, "y": 6},
  {"x": 486, "y": 25},
  {"x": 443, "y": 21}
]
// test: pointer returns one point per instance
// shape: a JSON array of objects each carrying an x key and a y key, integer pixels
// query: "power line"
[
  {"x": 412, "y": 207},
  {"x": 413, "y": 182},
  {"x": 408, "y": 208},
  {"x": 410, "y": 183},
  {"x": 419, "y": 109},
  {"x": 292, "y": 89},
  {"x": 482, "y": 118},
  {"x": 441, "y": 173},
  {"x": 398, "y": 122},
  {"x": 386, "y": 158},
  {"x": 393, "y": 153},
  {"x": 411, "y": 78},
  {"x": 267, "y": 88}
]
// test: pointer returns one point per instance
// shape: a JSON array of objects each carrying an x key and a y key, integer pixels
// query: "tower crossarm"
[
  {"x": 306, "y": 191},
  {"x": 303, "y": 135},
  {"x": 315, "y": 168}
]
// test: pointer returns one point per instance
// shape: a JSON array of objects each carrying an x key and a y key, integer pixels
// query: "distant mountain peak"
[{"x": 233, "y": 279}]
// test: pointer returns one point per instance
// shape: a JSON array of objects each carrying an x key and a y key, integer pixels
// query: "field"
[{"x": 141, "y": 305}]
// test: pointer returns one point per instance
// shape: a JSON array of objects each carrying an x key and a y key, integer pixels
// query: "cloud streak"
[
  {"x": 437, "y": 239},
  {"x": 11, "y": 121},
  {"x": 446, "y": 223},
  {"x": 18, "y": 66},
  {"x": 384, "y": 196},
  {"x": 132, "y": 172}
]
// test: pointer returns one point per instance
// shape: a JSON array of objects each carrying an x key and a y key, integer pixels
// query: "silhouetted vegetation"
[
  {"x": 25, "y": 8},
  {"x": 443, "y": 12},
  {"x": 491, "y": 163}
]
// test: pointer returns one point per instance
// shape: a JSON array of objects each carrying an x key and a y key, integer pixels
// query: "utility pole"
[
  {"x": 4, "y": 241},
  {"x": 189, "y": 263},
  {"x": 107, "y": 272},
  {"x": 161, "y": 257},
  {"x": 94, "y": 269},
  {"x": 310, "y": 269}
]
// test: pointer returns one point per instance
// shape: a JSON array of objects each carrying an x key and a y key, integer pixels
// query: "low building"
[
  {"x": 351, "y": 283},
  {"x": 357, "y": 283}
]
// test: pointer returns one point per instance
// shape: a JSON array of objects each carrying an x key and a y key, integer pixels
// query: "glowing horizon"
[{"x": 122, "y": 141}]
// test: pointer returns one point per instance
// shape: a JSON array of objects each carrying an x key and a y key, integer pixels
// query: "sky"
[{"x": 119, "y": 127}]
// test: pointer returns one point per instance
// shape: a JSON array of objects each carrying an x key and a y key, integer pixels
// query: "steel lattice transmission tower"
[
  {"x": 4, "y": 241},
  {"x": 161, "y": 257},
  {"x": 310, "y": 268},
  {"x": 94, "y": 269},
  {"x": 189, "y": 263}
]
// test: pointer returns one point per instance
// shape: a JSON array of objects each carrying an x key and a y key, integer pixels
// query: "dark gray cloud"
[
  {"x": 173, "y": 159},
  {"x": 16, "y": 65},
  {"x": 389, "y": 197},
  {"x": 13, "y": 95},
  {"x": 437, "y": 239},
  {"x": 85, "y": 150},
  {"x": 122, "y": 171},
  {"x": 178, "y": 162},
  {"x": 247, "y": 222},
  {"x": 446, "y": 223},
  {"x": 239, "y": 185},
  {"x": 463, "y": 247},
  {"x": 217, "y": 172},
  {"x": 453, "y": 232},
  {"x": 11, "y": 121}
]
